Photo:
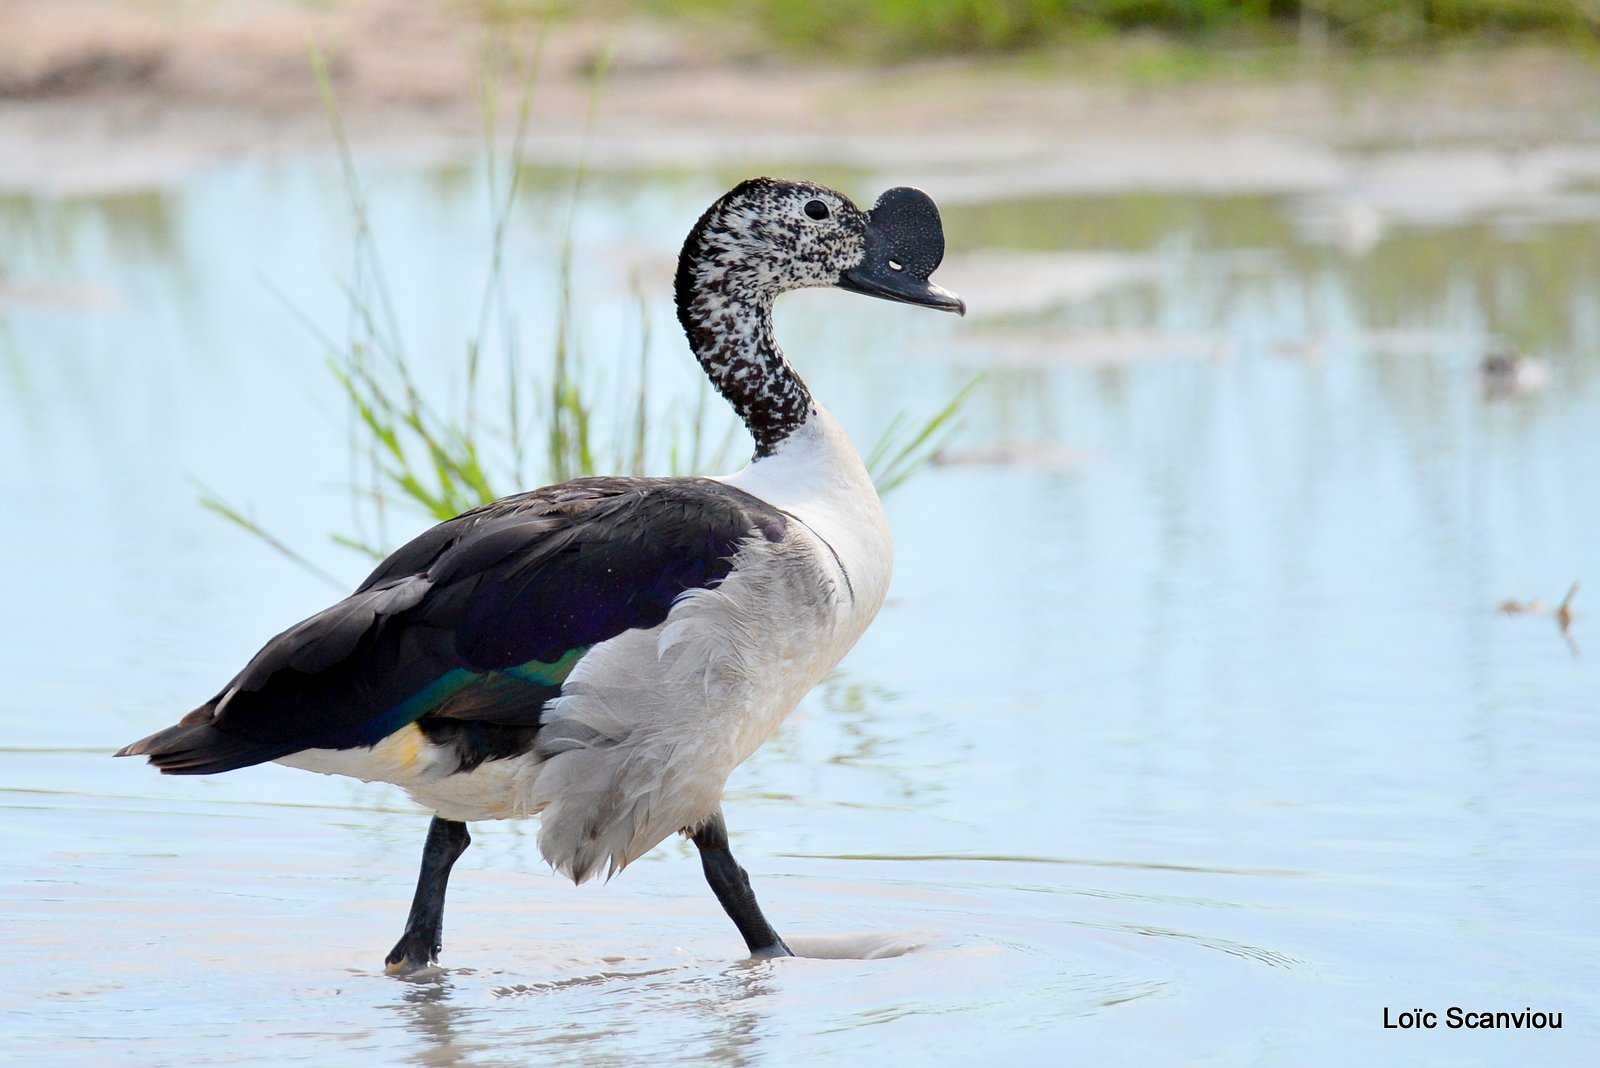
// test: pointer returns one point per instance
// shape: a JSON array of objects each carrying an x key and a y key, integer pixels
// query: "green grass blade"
[{"x": 211, "y": 502}]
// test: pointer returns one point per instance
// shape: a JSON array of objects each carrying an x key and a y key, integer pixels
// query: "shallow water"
[{"x": 1192, "y": 732}]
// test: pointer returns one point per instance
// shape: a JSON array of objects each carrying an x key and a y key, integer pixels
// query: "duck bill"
[
  {"x": 881, "y": 280},
  {"x": 904, "y": 244}
]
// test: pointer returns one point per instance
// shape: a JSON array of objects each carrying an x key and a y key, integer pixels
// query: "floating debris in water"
[
  {"x": 1508, "y": 374},
  {"x": 1561, "y": 613},
  {"x": 1010, "y": 454},
  {"x": 1309, "y": 349},
  {"x": 1020, "y": 346},
  {"x": 48, "y": 295}
]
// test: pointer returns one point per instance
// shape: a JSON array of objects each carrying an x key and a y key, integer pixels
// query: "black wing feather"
[{"x": 461, "y": 622}]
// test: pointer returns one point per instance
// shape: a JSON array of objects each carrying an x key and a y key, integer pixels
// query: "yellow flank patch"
[{"x": 402, "y": 749}]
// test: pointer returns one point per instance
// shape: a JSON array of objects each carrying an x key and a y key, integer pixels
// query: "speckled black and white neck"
[{"x": 754, "y": 243}]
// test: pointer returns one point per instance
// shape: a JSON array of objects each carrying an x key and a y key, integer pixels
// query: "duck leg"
[
  {"x": 732, "y": 886},
  {"x": 419, "y": 946}
]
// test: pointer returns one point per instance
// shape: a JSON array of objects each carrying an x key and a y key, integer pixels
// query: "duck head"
[{"x": 767, "y": 236}]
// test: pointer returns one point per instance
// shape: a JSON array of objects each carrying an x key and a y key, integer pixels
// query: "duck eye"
[{"x": 816, "y": 209}]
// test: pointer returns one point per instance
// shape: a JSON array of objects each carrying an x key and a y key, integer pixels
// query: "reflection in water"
[
  {"x": 428, "y": 1011},
  {"x": 722, "y": 1013},
  {"x": 65, "y": 238},
  {"x": 1233, "y": 266}
]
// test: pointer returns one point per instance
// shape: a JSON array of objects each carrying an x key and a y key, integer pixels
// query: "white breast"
[{"x": 651, "y": 724}]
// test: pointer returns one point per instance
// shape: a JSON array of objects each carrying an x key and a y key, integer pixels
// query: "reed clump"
[{"x": 543, "y": 421}]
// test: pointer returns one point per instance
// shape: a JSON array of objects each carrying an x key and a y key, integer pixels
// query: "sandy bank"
[{"x": 102, "y": 95}]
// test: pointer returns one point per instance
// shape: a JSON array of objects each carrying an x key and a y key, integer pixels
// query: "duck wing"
[{"x": 476, "y": 622}]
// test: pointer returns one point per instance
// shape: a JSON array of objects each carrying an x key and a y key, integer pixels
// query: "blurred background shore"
[{"x": 1015, "y": 98}]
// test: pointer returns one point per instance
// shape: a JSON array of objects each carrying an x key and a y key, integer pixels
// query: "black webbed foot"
[
  {"x": 423, "y": 938},
  {"x": 731, "y": 884}
]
